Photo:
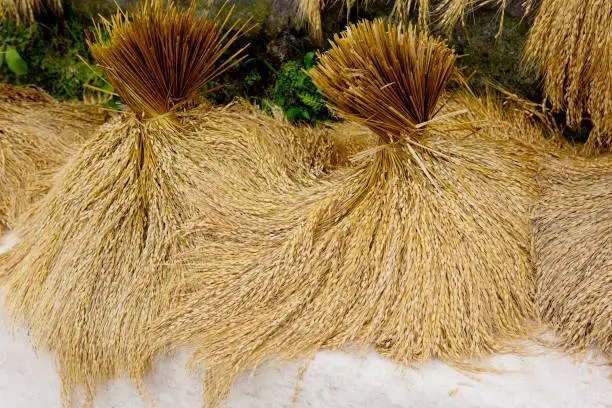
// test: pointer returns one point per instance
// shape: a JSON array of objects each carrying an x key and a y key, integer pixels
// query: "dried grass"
[
  {"x": 37, "y": 135},
  {"x": 29, "y": 9},
  {"x": 570, "y": 44},
  {"x": 450, "y": 12},
  {"x": 419, "y": 251},
  {"x": 573, "y": 252}
]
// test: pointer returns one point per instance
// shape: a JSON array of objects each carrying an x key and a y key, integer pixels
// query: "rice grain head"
[
  {"x": 37, "y": 136},
  {"x": 420, "y": 250},
  {"x": 570, "y": 45},
  {"x": 573, "y": 252}
]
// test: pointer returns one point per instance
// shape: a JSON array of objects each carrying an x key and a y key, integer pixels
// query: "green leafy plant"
[
  {"x": 249, "y": 80},
  {"x": 14, "y": 62},
  {"x": 296, "y": 94}
]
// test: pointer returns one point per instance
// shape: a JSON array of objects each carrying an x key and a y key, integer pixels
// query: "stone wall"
[{"x": 277, "y": 37}]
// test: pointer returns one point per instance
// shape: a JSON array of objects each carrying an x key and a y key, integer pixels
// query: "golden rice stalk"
[
  {"x": 573, "y": 252},
  {"x": 403, "y": 8},
  {"x": 29, "y": 9},
  {"x": 420, "y": 251},
  {"x": 570, "y": 44},
  {"x": 310, "y": 12},
  {"x": 37, "y": 135}
]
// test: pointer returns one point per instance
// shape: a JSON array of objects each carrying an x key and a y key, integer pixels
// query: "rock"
[
  {"x": 516, "y": 8},
  {"x": 282, "y": 48},
  {"x": 496, "y": 59},
  {"x": 268, "y": 17}
]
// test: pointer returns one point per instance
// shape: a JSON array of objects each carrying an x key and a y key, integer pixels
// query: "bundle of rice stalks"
[
  {"x": 29, "y": 9},
  {"x": 37, "y": 135},
  {"x": 89, "y": 273},
  {"x": 419, "y": 251},
  {"x": 573, "y": 252},
  {"x": 570, "y": 44}
]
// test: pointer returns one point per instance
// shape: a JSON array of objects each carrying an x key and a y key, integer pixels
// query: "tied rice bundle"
[
  {"x": 91, "y": 272},
  {"x": 88, "y": 274}
]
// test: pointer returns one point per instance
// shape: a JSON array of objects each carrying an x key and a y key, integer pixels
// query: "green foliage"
[
  {"x": 249, "y": 80},
  {"x": 297, "y": 95},
  {"x": 14, "y": 62},
  {"x": 49, "y": 55}
]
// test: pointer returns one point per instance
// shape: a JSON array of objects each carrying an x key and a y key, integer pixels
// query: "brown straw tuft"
[
  {"x": 37, "y": 135},
  {"x": 573, "y": 252},
  {"x": 384, "y": 77},
  {"x": 570, "y": 44},
  {"x": 420, "y": 250},
  {"x": 158, "y": 56}
]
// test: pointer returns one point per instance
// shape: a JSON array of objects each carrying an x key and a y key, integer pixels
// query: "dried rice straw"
[
  {"x": 570, "y": 44},
  {"x": 573, "y": 252},
  {"x": 420, "y": 251},
  {"x": 37, "y": 135}
]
